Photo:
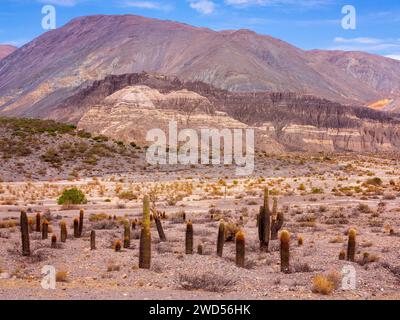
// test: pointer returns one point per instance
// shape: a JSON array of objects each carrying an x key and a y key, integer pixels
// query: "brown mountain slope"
[
  {"x": 47, "y": 70},
  {"x": 381, "y": 74},
  {"x": 5, "y": 50}
]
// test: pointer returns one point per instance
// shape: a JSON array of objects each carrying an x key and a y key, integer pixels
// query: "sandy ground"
[{"x": 320, "y": 198}]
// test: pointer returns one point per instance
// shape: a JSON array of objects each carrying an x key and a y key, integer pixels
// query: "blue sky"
[{"x": 308, "y": 24}]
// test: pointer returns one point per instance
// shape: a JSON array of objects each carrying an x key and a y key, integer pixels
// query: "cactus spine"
[
  {"x": 189, "y": 238},
  {"x": 285, "y": 255},
  {"x": 45, "y": 230},
  {"x": 264, "y": 222},
  {"x": 76, "y": 228},
  {"x": 63, "y": 231},
  {"x": 351, "y": 247},
  {"x": 240, "y": 249},
  {"x": 38, "y": 218},
  {"x": 24, "y": 234},
  {"x": 221, "y": 238},
  {"x": 81, "y": 216},
  {"x": 54, "y": 241},
  {"x": 160, "y": 229},
  {"x": 145, "y": 237},
  {"x": 127, "y": 235},
  {"x": 93, "y": 240}
]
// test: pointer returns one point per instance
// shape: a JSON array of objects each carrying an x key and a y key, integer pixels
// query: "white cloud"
[
  {"x": 15, "y": 42},
  {"x": 360, "y": 40},
  {"x": 298, "y": 3},
  {"x": 393, "y": 56},
  {"x": 203, "y": 6},
  {"x": 151, "y": 5},
  {"x": 386, "y": 47}
]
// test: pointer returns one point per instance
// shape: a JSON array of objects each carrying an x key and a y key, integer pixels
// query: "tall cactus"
[
  {"x": 277, "y": 223},
  {"x": 93, "y": 240},
  {"x": 45, "y": 230},
  {"x": 189, "y": 238},
  {"x": 24, "y": 234},
  {"x": 240, "y": 249},
  {"x": 351, "y": 246},
  {"x": 117, "y": 246},
  {"x": 160, "y": 229},
  {"x": 38, "y": 221},
  {"x": 145, "y": 236},
  {"x": 81, "y": 217},
  {"x": 264, "y": 223},
  {"x": 127, "y": 235},
  {"x": 221, "y": 238},
  {"x": 76, "y": 228},
  {"x": 63, "y": 231},
  {"x": 285, "y": 251}
]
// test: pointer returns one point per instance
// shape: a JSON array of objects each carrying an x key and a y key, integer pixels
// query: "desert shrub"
[
  {"x": 72, "y": 196},
  {"x": 231, "y": 229},
  {"x": 322, "y": 285},
  {"x": 374, "y": 182},
  {"x": 205, "y": 281},
  {"x": 127, "y": 195},
  {"x": 364, "y": 208},
  {"x": 317, "y": 190},
  {"x": 61, "y": 276},
  {"x": 301, "y": 267}
]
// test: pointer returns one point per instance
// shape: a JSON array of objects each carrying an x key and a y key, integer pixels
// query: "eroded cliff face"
[
  {"x": 285, "y": 122},
  {"x": 371, "y": 137}
]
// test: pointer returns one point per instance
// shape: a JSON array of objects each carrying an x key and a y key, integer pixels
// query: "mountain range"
[
  {"x": 5, "y": 50},
  {"x": 297, "y": 99},
  {"x": 90, "y": 48}
]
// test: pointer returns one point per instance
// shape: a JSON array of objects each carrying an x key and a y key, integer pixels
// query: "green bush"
[{"x": 72, "y": 196}]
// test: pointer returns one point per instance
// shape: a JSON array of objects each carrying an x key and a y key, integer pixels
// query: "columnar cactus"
[
  {"x": 30, "y": 225},
  {"x": 351, "y": 247},
  {"x": 240, "y": 249},
  {"x": 134, "y": 222},
  {"x": 117, "y": 246},
  {"x": 81, "y": 217},
  {"x": 54, "y": 241},
  {"x": 277, "y": 221},
  {"x": 93, "y": 240},
  {"x": 160, "y": 229},
  {"x": 24, "y": 234},
  {"x": 45, "y": 230},
  {"x": 145, "y": 236},
  {"x": 264, "y": 222},
  {"x": 63, "y": 231},
  {"x": 285, "y": 254},
  {"x": 189, "y": 238},
  {"x": 200, "y": 249},
  {"x": 38, "y": 221},
  {"x": 221, "y": 238},
  {"x": 76, "y": 228},
  {"x": 127, "y": 235}
]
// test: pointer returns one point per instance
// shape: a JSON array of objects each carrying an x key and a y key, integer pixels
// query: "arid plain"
[{"x": 320, "y": 197}]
